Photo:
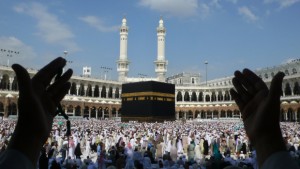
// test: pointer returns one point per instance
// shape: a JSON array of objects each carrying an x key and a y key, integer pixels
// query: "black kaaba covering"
[{"x": 148, "y": 101}]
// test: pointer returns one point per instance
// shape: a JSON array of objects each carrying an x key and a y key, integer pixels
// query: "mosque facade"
[{"x": 194, "y": 99}]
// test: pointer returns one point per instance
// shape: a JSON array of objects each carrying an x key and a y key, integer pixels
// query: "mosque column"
[
  {"x": 110, "y": 113},
  {"x": 106, "y": 93},
  {"x": 283, "y": 93},
  {"x": 113, "y": 93},
  {"x": 100, "y": 91},
  {"x": 102, "y": 114},
  {"x": 116, "y": 113},
  {"x": 77, "y": 89},
  {"x": 96, "y": 113},
  {"x": 285, "y": 116},
  {"x": 223, "y": 97},
  {"x": 85, "y": 90},
  {"x": 120, "y": 93},
  {"x": 291, "y": 87},
  {"x": 93, "y": 90},
  {"x": 184, "y": 115},
  {"x": 89, "y": 113},
  {"x": 193, "y": 115},
  {"x": 73, "y": 111},
  {"x": 205, "y": 114},
  {"x": 11, "y": 79},
  {"x": 226, "y": 114}
]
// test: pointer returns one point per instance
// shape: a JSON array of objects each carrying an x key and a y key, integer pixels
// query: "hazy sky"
[{"x": 229, "y": 34}]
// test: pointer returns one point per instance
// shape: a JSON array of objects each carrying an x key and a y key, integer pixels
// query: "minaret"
[
  {"x": 161, "y": 63},
  {"x": 123, "y": 63}
]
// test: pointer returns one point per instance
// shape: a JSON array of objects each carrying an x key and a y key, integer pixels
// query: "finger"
[
  {"x": 276, "y": 86},
  {"x": 59, "y": 82},
  {"x": 241, "y": 90},
  {"x": 238, "y": 100},
  {"x": 23, "y": 80},
  {"x": 258, "y": 83},
  {"x": 60, "y": 94},
  {"x": 258, "y": 98},
  {"x": 45, "y": 75},
  {"x": 248, "y": 85},
  {"x": 58, "y": 74}
]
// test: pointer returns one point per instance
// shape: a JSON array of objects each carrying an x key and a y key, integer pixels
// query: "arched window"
[
  {"x": 179, "y": 96},
  {"x": 220, "y": 96},
  {"x": 193, "y": 81},
  {"x": 194, "y": 97},
  {"x": 213, "y": 97},
  {"x": 81, "y": 90},
  {"x": 4, "y": 85},
  {"x": 103, "y": 92},
  {"x": 73, "y": 90},
  {"x": 93, "y": 112},
  {"x": 226, "y": 96},
  {"x": 207, "y": 98},
  {"x": 89, "y": 91},
  {"x": 287, "y": 89},
  {"x": 223, "y": 113},
  {"x": 286, "y": 72},
  {"x": 14, "y": 86},
  {"x": 186, "y": 96},
  {"x": 110, "y": 92},
  {"x": 117, "y": 93},
  {"x": 200, "y": 97},
  {"x": 296, "y": 88},
  {"x": 96, "y": 91},
  {"x": 77, "y": 111}
]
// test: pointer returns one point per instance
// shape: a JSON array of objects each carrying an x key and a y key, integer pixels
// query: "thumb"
[
  {"x": 276, "y": 86},
  {"x": 23, "y": 79}
]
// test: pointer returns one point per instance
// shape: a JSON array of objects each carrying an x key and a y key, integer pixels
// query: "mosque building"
[{"x": 194, "y": 99}]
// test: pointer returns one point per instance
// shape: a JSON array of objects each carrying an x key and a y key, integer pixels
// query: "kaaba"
[{"x": 148, "y": 101}]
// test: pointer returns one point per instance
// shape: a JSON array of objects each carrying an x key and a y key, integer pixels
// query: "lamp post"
[
  {"x": 9, "y": 54},
  {"x": 105, "y": 70},
  {"x": 65, "y": 56},
  {"x": 65, "y": 53},
  {"x": 206, "y": 62}
]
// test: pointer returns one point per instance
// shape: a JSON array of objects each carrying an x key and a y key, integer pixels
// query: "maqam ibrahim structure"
[{"x": 100, "y": 98}]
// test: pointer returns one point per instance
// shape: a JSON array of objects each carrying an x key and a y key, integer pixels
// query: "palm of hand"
[
  {"x": 260, "y": 106},
  {"x": 39, "y": 118},
  {"x": 39, "y": 98},
  {"x": 260, "y": 122}
]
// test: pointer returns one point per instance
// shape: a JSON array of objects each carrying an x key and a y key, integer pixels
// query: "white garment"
[
  {"x": 87, "y": 147},
  {"x": 179, "y": 146},
  {"x": 198, "y": 154}
]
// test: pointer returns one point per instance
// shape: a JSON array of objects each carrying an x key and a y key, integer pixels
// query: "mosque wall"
[{"x": 98, "y": 98}]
